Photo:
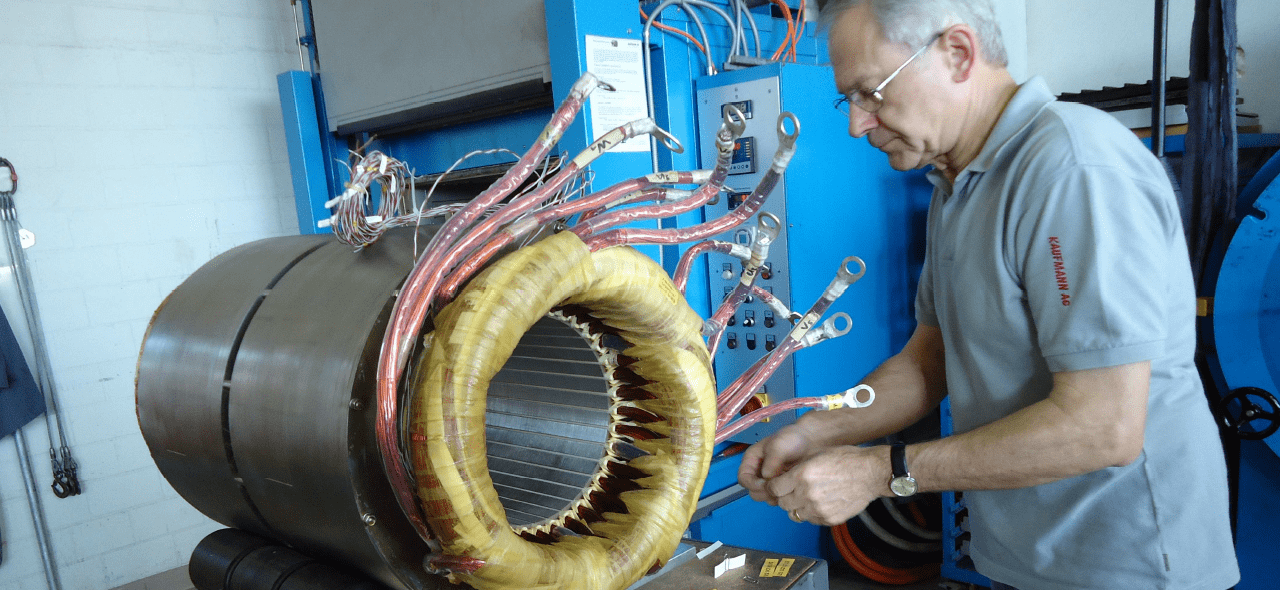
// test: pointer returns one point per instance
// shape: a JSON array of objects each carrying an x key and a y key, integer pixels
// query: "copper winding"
[{"x": 629, "y": 519}]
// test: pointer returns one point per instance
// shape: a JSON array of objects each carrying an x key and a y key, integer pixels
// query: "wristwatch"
[{"x": 902, "y": 484}]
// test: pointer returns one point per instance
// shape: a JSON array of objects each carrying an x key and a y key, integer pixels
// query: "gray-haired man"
[{"x": 1056, "y": 310}]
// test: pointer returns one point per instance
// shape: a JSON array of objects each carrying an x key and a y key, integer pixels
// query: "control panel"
[
  {"x": 838, "y": 198},
  {"x": 755, "y": 330}
]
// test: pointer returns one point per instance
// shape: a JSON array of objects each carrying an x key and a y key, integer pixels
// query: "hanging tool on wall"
[
  {"x": 20, "y": 403},
  {"x": 16, "y": 239}
]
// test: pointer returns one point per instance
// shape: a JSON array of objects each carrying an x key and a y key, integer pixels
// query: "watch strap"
[{"x": 898, "y": 459}]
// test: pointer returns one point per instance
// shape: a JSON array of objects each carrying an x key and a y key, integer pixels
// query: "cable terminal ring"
[
  {"x": 786, "y": 139},
  {"x": 850, "y": 398},
  {"x": 668, "y": 140},
  {"x": 768, "y": 226},
  {"x": 734, "y": 120},
  {"x": 828, "y": 330}
]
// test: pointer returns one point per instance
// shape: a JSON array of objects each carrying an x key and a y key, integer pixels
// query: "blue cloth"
[
  {"x": 20, "y": 399},
  {"x": 1060, "y": 248}
]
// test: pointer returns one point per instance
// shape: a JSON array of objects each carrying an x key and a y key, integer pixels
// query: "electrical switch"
[
  {"x": 743, "y": 160},
  {"x": 769, "y": 321},
  {"x": 770, "y": 342},
  {"x": 726, "y": 272},
  {"x": 766, "y": 271},
  {"x": 731, "y": 340},
  {"x": 748, "y": 319},
  {"x": 751, "y": 341}
]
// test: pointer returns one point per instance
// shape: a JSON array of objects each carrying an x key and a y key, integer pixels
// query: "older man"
[{"x": 1056, "y": 310}]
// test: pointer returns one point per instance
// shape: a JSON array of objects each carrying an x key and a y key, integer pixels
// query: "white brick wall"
[{"x": 147, "y": 135}]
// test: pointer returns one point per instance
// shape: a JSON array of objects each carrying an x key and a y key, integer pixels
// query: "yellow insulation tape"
[{"x": 474, "y": 337}]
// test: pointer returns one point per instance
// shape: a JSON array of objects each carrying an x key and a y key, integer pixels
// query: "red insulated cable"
[{"x": 874, "y": 570}]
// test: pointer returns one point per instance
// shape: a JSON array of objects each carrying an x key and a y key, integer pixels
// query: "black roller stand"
[{"x": 231, "y": 559}]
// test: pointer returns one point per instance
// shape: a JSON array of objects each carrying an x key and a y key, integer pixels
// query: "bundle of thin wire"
[
  {"x": 398, "y": 204},
  {"x": 587, "y": 268},
  {"x": 737, "y": 24}
]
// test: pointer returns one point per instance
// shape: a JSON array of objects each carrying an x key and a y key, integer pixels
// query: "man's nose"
[{"x": 861, "y": 122}]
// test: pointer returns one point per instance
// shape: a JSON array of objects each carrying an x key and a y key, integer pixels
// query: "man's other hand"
[
  {"x": 770, "y": 458},
  {"x": 833, "y": 486}
]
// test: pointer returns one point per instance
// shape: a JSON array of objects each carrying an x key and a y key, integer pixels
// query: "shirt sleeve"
[
  {"x": 925, "y": 311},
  {"x": 1098, "y": 250}
]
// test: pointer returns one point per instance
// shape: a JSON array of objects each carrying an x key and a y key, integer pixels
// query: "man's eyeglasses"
[{"x": 870, "y": 101}]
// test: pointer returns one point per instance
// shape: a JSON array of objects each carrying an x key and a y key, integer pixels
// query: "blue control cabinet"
[{"x": 838, "y": 198}]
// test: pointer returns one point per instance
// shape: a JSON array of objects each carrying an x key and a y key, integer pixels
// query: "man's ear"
[{"x": 960, "y": 42}]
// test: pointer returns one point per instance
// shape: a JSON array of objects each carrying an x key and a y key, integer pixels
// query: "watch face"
[{"x": 903, "y": 486}]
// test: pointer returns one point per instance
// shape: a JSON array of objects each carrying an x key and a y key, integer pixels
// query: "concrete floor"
[{"x": 174, "y": 579}]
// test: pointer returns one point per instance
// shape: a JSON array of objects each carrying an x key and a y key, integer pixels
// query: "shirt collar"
[{"x": 1031, "y": 98}]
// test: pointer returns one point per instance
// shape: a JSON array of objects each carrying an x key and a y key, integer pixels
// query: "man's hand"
[
  {"x": 909, "y": 385},
  {"x": 833, "y": 486},
  {"x": 770, "y": 458}
]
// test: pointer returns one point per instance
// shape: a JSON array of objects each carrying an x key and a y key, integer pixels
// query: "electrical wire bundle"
[
  {"x": 739, "y": 52},
  {"x": 461, "y": 325},
  {"x": 352, "y": 223}
]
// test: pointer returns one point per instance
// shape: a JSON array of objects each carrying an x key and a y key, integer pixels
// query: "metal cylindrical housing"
[{"x": 254, "y": 395}]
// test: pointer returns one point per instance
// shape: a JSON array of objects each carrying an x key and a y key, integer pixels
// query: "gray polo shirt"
[{"x": 1060, "y": 248}]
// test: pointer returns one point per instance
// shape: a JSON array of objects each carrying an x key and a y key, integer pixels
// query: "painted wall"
[
  {"x": 1260, "y": 72},
  {"x": 148, "y": 139},
  {"x": 1088, "y": 44},
  {"x": 1012, "y": 16}
]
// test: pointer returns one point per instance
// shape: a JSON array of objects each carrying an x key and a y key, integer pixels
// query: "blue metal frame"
[
  {"x": 956, "y": 563},
  {"x": 1258, "y": 500},
  {"x": 307, "y": 154}
]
